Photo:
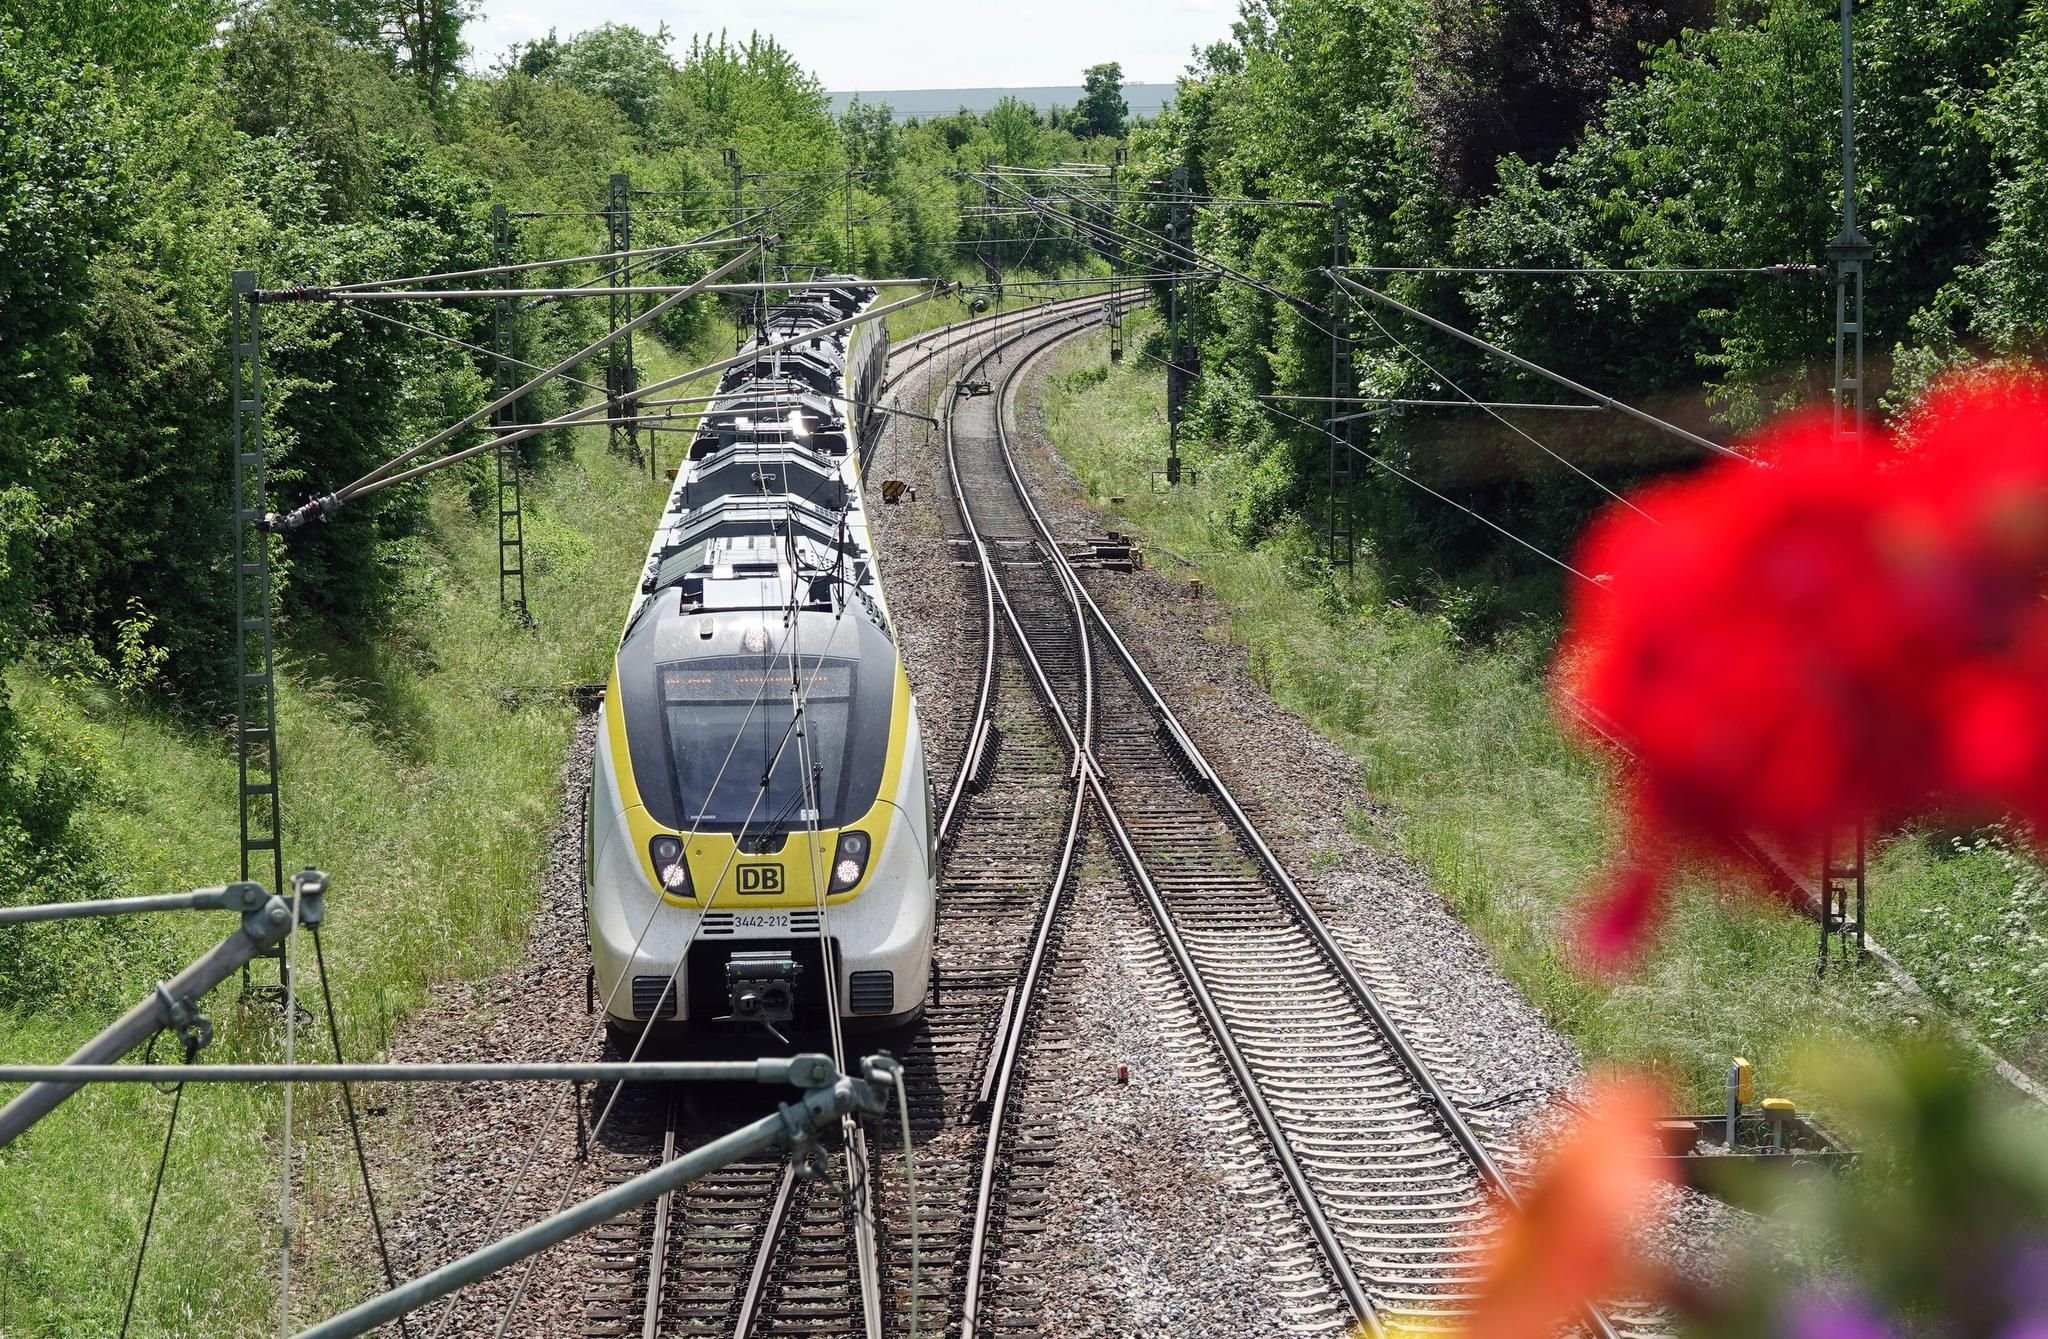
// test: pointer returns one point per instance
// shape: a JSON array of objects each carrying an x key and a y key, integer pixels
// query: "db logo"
[{"x": 760, "y": 878}]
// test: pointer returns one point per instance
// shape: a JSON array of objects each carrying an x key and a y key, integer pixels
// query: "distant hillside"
[{"x": 1144, "y": 99}]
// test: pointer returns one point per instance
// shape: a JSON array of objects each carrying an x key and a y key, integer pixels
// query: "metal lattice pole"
[
  {"x": 1179, "y": 225},
  {"x": 852, "y": 266},
  {"x": 1843, "y": 872},
  {"x": 992, "y": 261},
  {"x": 1340, "y": 534},
  {"x": 621, "y": 377},
  {"x": 511, "y": 511},
  {"x": 1116, "y": 260},
  {"x": 256, "y": 753},
  {"x": 731, "y": 158}
]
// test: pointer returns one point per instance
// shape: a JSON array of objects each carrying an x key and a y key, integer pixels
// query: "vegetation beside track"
[
  {"x": 421, "y": 771},
  {"x": 1483, "y": 793}
]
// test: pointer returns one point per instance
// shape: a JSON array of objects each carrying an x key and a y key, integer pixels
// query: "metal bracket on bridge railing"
[
  {"x": 266, "y": 920},
  {"x": 828, "y": 1095}
]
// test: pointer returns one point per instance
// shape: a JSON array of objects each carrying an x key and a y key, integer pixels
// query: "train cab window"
[{"x": 737, "y": 759}]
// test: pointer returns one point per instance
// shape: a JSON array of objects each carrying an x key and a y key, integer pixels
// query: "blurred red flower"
[{"x": 1821, "y": 635}]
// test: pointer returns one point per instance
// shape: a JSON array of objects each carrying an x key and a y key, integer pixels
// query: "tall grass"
[
  {"x": 420, "y": 768},
  {"x": 1470, "y": 777}
]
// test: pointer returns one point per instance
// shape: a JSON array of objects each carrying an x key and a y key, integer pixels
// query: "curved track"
[
  {"x": 1387, "y": 1187},
  {"x": 1388, "y": 1178}
]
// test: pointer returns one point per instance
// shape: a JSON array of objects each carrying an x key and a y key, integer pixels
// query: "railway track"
[
  {"x": 1385, "y": 1174},
  {"x": 760, "y": 1250},
  {"x": 1386, "y": 1185}
]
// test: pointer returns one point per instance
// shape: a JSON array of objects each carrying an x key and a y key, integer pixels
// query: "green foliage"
[
  {"x": 420, "y": 38},
  {"x": 618, "y": 62},
  {"x": 1102, "y": 109},
  {"x": 1537, "y": 135},
  {"x": 285, "y": 74},
  {"x": 58, "y": 193},
  {"x": 2012, "y": 281},
  {"x": 1523, "y": 78},
  {"x": 1968, "y": 916}
]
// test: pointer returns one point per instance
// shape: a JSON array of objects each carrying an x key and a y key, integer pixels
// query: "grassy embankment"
[
  {"x": 1511, "y": 823},
  {"x": 426, "y": 793}
]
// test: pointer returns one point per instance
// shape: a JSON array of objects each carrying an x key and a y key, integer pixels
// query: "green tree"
[
  {"x": 283, "y": 71},
  {"x": 422, "y": 38},
  {"x": 621, "y": 63},
  {"x": 1102, "y": 109},
  {"x": 874, "y": 142},
  {"x": 59, "y": 201},
  {"x": 1013, "y": 127},
  {"x": 1524, "y": 77}
]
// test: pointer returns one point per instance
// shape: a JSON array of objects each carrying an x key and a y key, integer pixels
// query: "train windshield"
[{"x": 741, "y": 750}]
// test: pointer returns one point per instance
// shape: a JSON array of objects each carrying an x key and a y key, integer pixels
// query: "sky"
[{"x": 892, "y": 44}]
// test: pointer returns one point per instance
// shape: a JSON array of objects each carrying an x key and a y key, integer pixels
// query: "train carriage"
[{"x": 759, "y": 842}]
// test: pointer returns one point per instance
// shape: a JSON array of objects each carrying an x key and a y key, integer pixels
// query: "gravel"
[{"x": 1177, "y": 1223}]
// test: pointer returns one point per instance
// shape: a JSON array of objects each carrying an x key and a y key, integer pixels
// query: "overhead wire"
[
  {"x": 1403, "y": 475},
  {"x": 1781, "y": 271},
  {"x": 1498, "y": 417},
  {"x": 1399, "y": 473},
  {"x": 1161, "y": 247},
  {"x": 355, "y": 1129},
  {"x": 1385, "y": 465},
  {"x": 1496, "y": 350},
  {"x": 524, "y": 266},
  {"x": 386, "y": 317}
]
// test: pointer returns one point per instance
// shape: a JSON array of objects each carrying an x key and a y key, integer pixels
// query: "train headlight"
[
  {"x": 669, "y": 866},
  {"x": 850, "y": 861}
]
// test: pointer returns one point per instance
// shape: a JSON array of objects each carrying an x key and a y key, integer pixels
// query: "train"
[{"x": 759, "y": 848}]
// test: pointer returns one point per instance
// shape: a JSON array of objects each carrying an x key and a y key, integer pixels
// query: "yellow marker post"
[{"x": 1779, "y": 1111}]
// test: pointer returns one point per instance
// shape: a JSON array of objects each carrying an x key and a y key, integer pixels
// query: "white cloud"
[{"x": 907, "y": 43}]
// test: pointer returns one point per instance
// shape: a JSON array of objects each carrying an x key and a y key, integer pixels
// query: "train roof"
[{"x": 766, "y": 512}]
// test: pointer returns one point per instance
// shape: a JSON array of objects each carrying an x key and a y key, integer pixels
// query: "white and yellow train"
[{"x": 758, "y": 847}]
